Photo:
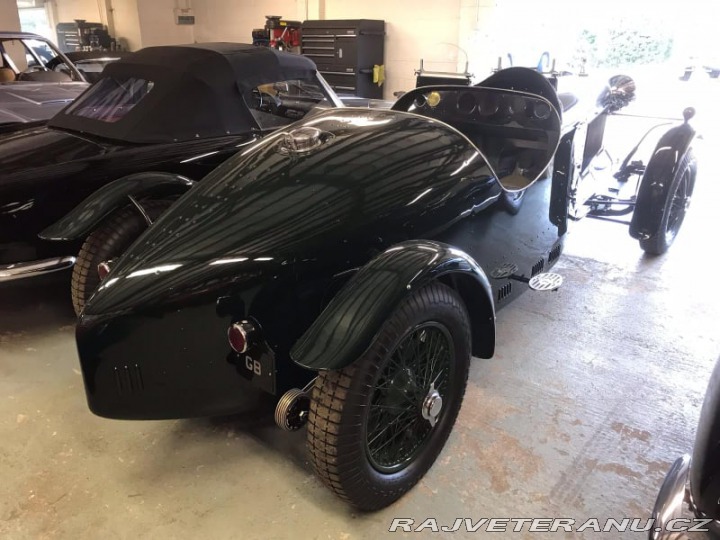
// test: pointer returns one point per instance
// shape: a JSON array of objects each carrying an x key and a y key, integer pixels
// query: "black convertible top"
[{"x": 197, "y": 91}]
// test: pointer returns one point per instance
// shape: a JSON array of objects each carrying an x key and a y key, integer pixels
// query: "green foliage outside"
[{"x": 630, "y": 42}]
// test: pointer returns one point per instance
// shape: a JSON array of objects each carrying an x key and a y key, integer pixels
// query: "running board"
[{"x": 11, "y": 272}]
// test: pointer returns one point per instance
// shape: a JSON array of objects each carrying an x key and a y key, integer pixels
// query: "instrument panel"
[{"x": 516, "y": 132}]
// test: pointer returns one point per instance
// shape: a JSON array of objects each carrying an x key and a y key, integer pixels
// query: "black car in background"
[{"x": 155, "y": 122}]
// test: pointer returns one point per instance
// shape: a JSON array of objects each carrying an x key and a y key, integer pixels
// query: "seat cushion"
[{"x": 6, "y": 75}]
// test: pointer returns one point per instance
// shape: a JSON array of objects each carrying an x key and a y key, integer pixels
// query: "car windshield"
[
  {"x": 33, "y": 59},
  {"x": 280, "y": 103},
  {"x": 41, "y": 49},
  {"x": 111, "y": 99}
]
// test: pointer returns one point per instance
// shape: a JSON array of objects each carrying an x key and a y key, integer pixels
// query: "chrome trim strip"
[
  {"x": 11, "y": 272},
  {"x": 140, "y": 209}
]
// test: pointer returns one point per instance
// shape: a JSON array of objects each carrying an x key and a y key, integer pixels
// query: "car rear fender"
[
  {"x": 80, "y": 221},
  {"x": 656, "y": 182},
  {"x": 349, "y": 324}
]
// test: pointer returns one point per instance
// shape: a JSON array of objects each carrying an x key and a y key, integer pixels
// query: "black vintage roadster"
[
  {"x": 351, "y": 264},
  {"x": 173, "y": 113}
]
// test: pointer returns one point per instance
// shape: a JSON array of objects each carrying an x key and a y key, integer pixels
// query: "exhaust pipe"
[{"x": 291, "y": 412}]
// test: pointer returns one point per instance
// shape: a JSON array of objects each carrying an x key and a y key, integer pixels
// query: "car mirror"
[{"x": 517, "y": 132}]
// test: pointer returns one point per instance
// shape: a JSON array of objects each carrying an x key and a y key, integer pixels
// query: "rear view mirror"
[{"x": 517, "y": 132}]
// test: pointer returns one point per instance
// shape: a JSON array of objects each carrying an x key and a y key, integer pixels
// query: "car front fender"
[
  {"x": 349, "y": 324},
  {"x": 80, "y": 221},
  {"x": 657, "y": 180}
]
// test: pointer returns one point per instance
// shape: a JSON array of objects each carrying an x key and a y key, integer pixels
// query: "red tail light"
[
  {"x": 240, "y": 335},
  {"x": 103, "y": 269}
]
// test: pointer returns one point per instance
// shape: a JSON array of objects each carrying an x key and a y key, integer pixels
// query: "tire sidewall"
[
  {"x": 368, "y": 370},
  {"x": 658, "y": 243},
  {"x": 108, "y": 241}
]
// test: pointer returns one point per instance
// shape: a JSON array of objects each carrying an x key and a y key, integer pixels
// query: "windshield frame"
[{"x": 76, "y": 76}]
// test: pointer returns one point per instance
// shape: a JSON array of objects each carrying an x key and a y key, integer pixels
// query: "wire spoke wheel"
[
  {"x": 417, "y": 372},
  {"x": 376, "y": 426}
]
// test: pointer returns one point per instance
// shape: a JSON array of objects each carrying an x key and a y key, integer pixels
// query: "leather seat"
[
  {"x": 6, "y": 75},
  {"x": 567, "y": 100}
]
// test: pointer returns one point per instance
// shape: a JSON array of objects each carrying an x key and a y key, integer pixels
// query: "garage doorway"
[{"x": 35, "y": 17}]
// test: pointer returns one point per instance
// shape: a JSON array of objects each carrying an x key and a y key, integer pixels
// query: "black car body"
[
  {"x": 691, "y": 490},
  {"x": 291, "y": 263},
  {"x": 275, "y": 216},
  {"x": 174, "y": 109},
  {"x": 362, "y": 253}
]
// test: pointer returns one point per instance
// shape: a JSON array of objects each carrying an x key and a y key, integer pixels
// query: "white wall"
[
  {"x": 9, "y": 18},
  {"x": 428, "y": 29},
  {"x": 477, "y": 36},
  {"x": 126, "y": 22},
  {"x": 69, "y": 10},
  {"x": 234, "y": 20},
  {"x": 157, "y": 24}
]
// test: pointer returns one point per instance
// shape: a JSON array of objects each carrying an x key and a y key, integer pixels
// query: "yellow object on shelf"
[{"x": 379, "y": 74}]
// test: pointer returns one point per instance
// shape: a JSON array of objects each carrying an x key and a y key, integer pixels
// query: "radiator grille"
[
  {"x": 554, "y": 253},
  {"x": 504, "y": 291},
  {"x": 129, "y": 380},
  {"x": 538, "y": 267}
]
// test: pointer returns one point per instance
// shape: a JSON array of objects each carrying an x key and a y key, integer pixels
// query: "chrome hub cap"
[
  {"x": 407, "y": 398},
  {"x": 432, "y": 405}
]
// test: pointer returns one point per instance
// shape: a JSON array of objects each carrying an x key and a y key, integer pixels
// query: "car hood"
[
  {"x": 30, "y": 101},
  {"x": 34, "y": 153},
  {"x": 324, "y": 189}
]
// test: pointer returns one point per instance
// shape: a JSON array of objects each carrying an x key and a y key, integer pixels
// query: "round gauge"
[
  {"x": 466, "y": 103},
  {"x": 433, "y": 99},
  {"x": 517, "y": 105},
  {"x": 541, "y": 110},
  {"x": 487, "y": 103}
]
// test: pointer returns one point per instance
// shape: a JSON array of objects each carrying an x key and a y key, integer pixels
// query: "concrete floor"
[{"x": 593, "y": 392}]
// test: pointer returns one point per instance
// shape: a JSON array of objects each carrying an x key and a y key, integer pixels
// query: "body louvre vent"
[
  {"x": 504, "y": 291},
  {"x": 128, "y": 379},
  {"x": 554, "y": 253},
  {"x": 538, "y": 267}
]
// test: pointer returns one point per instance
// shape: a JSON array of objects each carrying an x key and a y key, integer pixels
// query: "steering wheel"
[
  {"x": 266, "y": 102},
  {"x": 54, "y": 63},
  {"x": 33, "y": 69}
]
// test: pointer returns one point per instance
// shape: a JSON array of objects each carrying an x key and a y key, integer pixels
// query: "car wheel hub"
[
  {"x": 432, "y": 405},
  {"x": 407, "y": 400}
]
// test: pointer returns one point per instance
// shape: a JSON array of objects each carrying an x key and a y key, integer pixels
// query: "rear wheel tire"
[
  {"x": 108, "y": 241},
  {"x": 673, "y": 209},
  {"x": 370, "y": 434}
]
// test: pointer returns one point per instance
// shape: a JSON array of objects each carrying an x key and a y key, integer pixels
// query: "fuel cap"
[{"x": 303, "y": 140}]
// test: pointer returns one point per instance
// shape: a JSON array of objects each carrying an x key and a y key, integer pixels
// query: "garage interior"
[{"x": 594, "y": 389}]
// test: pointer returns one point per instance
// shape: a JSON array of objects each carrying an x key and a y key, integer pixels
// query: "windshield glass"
[
  {"x": 41, "y": 49},
  {"x": 111, "y": 99},
  {"x": 280, "y": 103},
  {"x": 34, "y": 59}
]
